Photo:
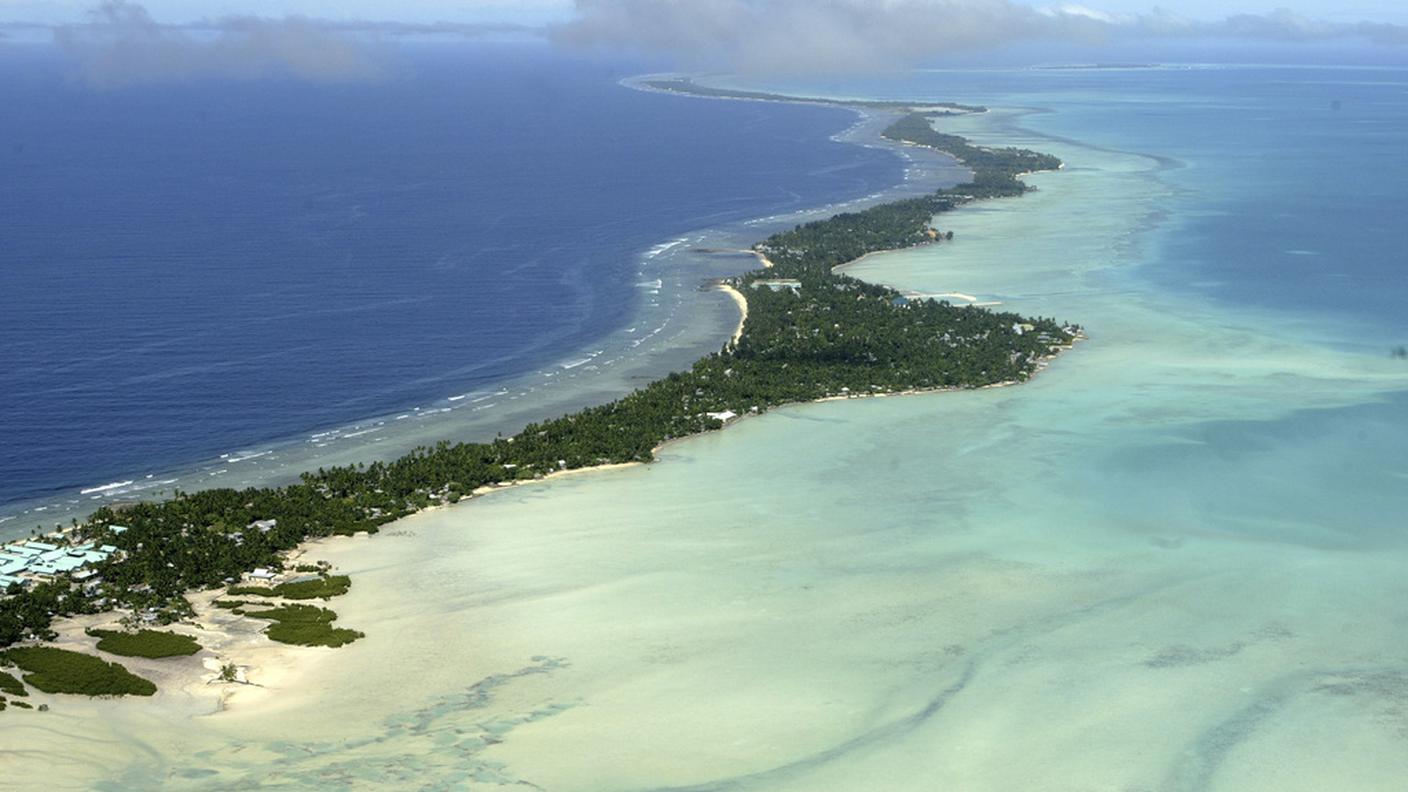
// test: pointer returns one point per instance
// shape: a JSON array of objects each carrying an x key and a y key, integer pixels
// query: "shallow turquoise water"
[
  {"x": 1284, "y": 182},
  {"x": 1174, "y": 561}
]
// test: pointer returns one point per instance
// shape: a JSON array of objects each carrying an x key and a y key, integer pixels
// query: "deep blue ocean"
[{"x": 194, "y": 268}]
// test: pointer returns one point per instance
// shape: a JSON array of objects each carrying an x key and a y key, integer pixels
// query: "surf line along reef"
[{"x": 809, "y": 333}]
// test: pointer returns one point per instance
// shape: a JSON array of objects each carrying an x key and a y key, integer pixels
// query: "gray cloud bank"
[
  {"x": 121, "y": 44},
  {"x": 829, "y": 36}
]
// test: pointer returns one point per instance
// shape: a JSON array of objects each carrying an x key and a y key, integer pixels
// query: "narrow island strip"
[{"x": 807, "y": 332}]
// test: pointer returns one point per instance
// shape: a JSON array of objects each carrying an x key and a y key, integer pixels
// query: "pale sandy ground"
[
  {"x": 742, "y": 304},
  {"x": 265, "y": 668},
  {"x": 555, "y": 475}
]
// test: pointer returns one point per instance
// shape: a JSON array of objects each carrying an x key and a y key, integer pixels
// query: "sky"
[
  {"x": 116, "y": 42},
  {"x": 536, "y": 12}
]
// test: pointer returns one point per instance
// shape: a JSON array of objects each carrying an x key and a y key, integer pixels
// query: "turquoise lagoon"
[{"x": 1174, "y": 561}]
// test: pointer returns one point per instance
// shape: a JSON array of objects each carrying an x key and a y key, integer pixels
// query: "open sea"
[
  {"x": 204, "y": 269},
  {"x": 1175, "y": 561}
]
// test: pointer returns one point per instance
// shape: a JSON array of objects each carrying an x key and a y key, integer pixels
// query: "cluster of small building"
[
  {"x": 30, "y": 561},
  {"x": 1044, "y": 337},
  {"x": 778, "y": 284},
  {"x": 262, "y": 526}
]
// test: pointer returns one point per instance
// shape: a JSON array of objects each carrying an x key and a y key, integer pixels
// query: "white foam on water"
[{"x": 105, "y": 487}]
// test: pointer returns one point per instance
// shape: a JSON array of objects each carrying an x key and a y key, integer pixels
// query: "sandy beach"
[
  {"x": 266, "y": 670},
  {"x": 742, "y": 303}
]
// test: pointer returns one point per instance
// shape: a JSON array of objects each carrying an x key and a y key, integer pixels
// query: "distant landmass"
[
  {"x": 685, "y": 85},
  {"x": 1071, "y": 66}
]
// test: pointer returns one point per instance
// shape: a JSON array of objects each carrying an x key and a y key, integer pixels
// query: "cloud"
[
  {"x": 831, "y": 36},
  {"x": 1285, "y": 25},
  {"x": 122, "y": 44},
  {"x": 462, "y": 30},
  {"x": 810, "y": 36}
]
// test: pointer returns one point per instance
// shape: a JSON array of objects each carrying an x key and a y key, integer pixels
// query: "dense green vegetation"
[
  {"x": 990, "y": 165},
  {"x": 819, "y": 334},
  {"x": 320, "y": 588},
  {"x": 305, "y": 625},
  {"x": 145, "y": 643},
  {"x": 11, "y": 686},
  {"x": 686, "y": 86},
  {"x": 55, "y": 670},
  {"x": 28, "y": 612}
]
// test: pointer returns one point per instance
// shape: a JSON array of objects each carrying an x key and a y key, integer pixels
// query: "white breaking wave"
[{"x": 106, "y": 487}]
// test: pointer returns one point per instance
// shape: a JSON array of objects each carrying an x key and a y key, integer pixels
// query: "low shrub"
[
  {"x": 11, "y": 686},
  {"x": 145, "y": 643},
  {"x": 321, "y": 588},
  {"x": 305, "y": 625},
  {"x": 55, "y": 670}
]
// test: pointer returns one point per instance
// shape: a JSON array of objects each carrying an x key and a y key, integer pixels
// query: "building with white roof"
[{"x": 31, "y": 560}]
